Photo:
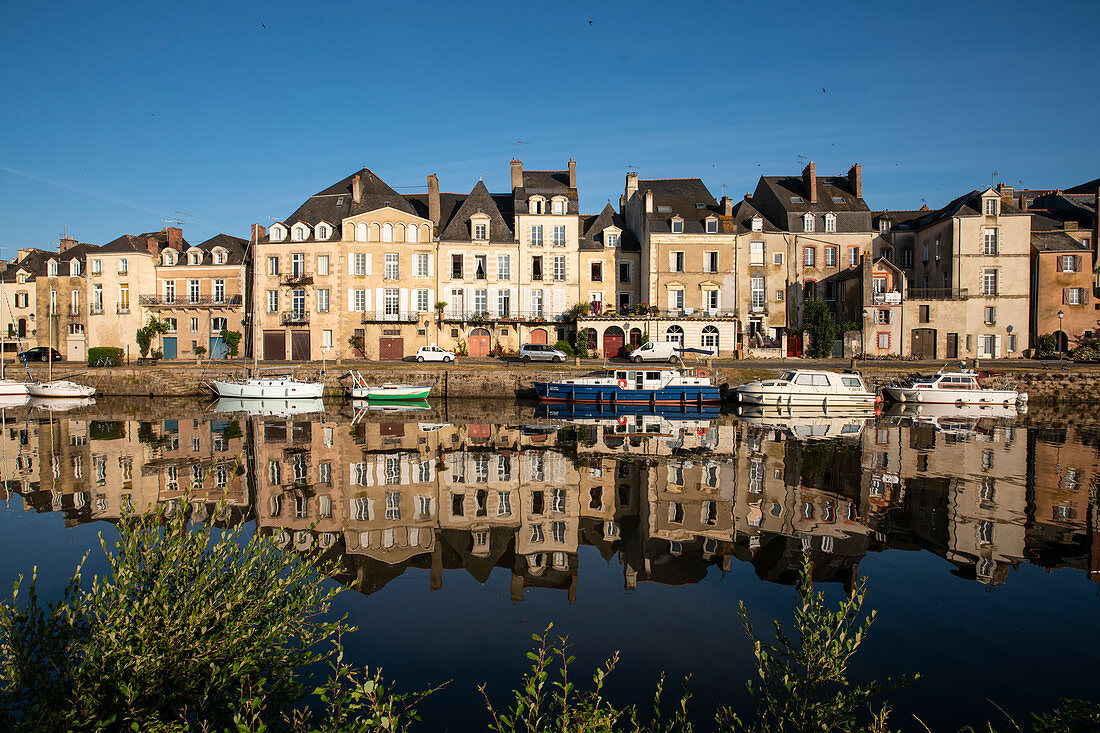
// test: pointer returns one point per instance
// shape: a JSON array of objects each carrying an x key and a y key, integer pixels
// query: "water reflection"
[{"x": 667, "y": 496}]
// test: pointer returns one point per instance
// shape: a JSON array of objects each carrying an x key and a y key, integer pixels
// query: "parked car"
[
  {"x": 40, "y": 353},
  {"x": 656, "y": 351},
  {"x": 434, "y": 353},
  {"x": 540, "y": 352}
]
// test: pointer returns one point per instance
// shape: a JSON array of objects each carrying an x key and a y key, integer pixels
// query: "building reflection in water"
[{"x": 667, "y": 498}]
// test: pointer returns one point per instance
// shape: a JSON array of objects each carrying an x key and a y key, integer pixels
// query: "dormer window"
[
  {"x": 277, "y": 234},
  {"x": 757, "y": 224},
  {"x": 677, "y": 225},
  {"x": 883, "y": 226},
  {"x": 322, "y": 231},
  {"x": 51, "y": 268},
  {"x": 535, "y": 205},
  {"x": 611, "y": 239},
  {"x": 219, "y": 256},
  {"x": 194, "y": 258},
  {"x": 481, "y": 231},
  {"x": 299, "y": 234},
  {"x": 74, "y": 268},
  {"x": 21, "y": 278},
  {"x": 830, "y": 222},
  {"x": 991, "y": 207},
  {"x": 712, "y": 225},
  {"x": 808, "y": 222},
  {"x": 169, "y": 257},
  {"x": 557, "y": 206}
]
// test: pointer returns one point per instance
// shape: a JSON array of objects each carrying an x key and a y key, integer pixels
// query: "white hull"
[
  {"x": 275, "y": 388},
  {"x": 8, "y": 387},
  {"x": 938, "y": 410},
  {"x": 60, "y": 389},
  {"x": 270, "y": 407},
  {"x": 753, "y": 395},
  {"x": 390, "y": 393},
  {"x": 14, "y": 400},
  {"x": 955, "y": 396}
]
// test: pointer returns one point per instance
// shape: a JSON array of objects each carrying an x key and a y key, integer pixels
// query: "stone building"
[
  {"x": 118, "y": 272},
  {"x": 60, "y": 282}
]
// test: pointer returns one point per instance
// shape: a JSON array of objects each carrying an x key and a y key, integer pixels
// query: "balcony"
[
  {"x": 457, "y": 316},
  {"x": 163, "y": 301},
  {"x": 74, "y": 310},
  {"x": 122, "y": 310},
  {"x": 294, "y": 318},
  {"x": 95, "y": 310},
  {"x": 691, "y": 314},
  {"x": 297, "y": 278},
  {"x": 937, "y": 294},
  {"x": 891, "y": 298},
  {"x": 384, "y": 316}
]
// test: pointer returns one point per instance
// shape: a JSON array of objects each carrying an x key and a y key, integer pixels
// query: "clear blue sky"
[{"x": 115, "y": 116}]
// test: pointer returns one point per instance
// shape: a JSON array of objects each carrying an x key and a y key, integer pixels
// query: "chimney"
[
  {"x": 809, "y": 181},
  {"x": 622, "y": 204},
  {"x": 357, "y": 189},
  {"x": 175, "y": 238},
  {"x": 517, "y": 174},
  {"x": 67, "y": 242},
  {"x": 258, "y": 232},
  {"x": 1023, "y": 203},
  {"x": 727, "y": 206},
  {"x": 153, "y": 245},
  {"x": 433, "y": 199},
  {"x": 649, "y": 202},
  {"x": 1005, "y": 191},
  {"x": 572, "y": 173},
  {"x": 855, "y": 180},
  {"x": 631, "y": 183}
]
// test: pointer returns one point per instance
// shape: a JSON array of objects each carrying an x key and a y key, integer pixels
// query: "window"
[
  {"x": 675, "y": 261},
  {"x": 809, "y": 256},
  {"x": 504, "y": 302},
  {"x": 1074, "y": 296},
  {"x": 393, "y": 505},
  {"x": 830, "y": 223},
  {"x": 393, "y": 266},
  {"x": 51, "y": 269},
  {"x": 990, "y": 316},
  {"x": 907, "y": 258},
  {"x": 882, "y": 315},
  {"x": 387, "y": 232},
  {"x": 326, "y": 340},
  {"x": 481, "y": 267},
  {"x": 712, "y": 226},
  {"x": 420, "y": 264},
  {"x": 557, "y": 206},
  {"x": 194, "y": 258},
  {"x": 831, "y": 256},
  {"x": 504, "y": 503},
  {"x": 807, "y": 222},
  {"x": 359, "y": 300},
  {"x": 559, "y": 236},
  {"x": 1068, "y": 263},
  {"x": 412, "y": 233},
  {"x": 597, "y": 272},
  {"x": 193, "y": 291},
  {"x": 756, "y": 253},
  {"x": 74, "y": 268},
  {"x": 299, "y": 234},
  {"x": 559, "y": 268},
  {"x": 611, "y": 239},
  {"x": 853, "y": 256},
  {"x": 924, "y": 315},
  {"x": 219, "y": 324},
  {"x": 536, "y": 302},
  {"x": 481, "y": 301},
  {"x": 322, "y": 300},
  {"x": 97, "y": 299},
  {"x": 481, "y": 232},
  {"x": 194, "y": 325},
  {"x": 219, "y": 291},
  {"x": 710, "y": 300},
  {"x": 777, "y": 258},
  {"x": 504, "y": 267},
  {"x": 322, "y": 265},
  {"x": 219, "y": 256},
  {"x": 710, "y": 262},
  {"x": 536, "y": 235},
  {"x": 535, "y": 205},
  {"x": 778, "y": 296},
  {"x": 991, "y": 207},
  {"x": 536, "y": 268},
  {"x": 757, "y": 224},
  {"x": 990, "y": 243},
  {"x": 710, "y": 338},
  {"x": 989, "y": 282},
  {"x": 457, "y": 267},
  {"x": 359, "y": 263},
  {"x": 391, "y": 301},
  {"x": 677, "y": 226},
  {"x": 676, "y": 299},
  {"x": 124, "y": 298},
  {"x": 758, "y": 296},
  {"x": 624, "y": 272},
  {"x": 878, "y": 285},
  {"x": 830, "y": 290},
  {"x": 421, "y": 300}
]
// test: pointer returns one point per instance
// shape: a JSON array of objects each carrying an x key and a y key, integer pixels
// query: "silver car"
[{"x": 540, "y": 352}]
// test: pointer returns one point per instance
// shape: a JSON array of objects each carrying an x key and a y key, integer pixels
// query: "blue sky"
[{"x": 117, "y": 116}]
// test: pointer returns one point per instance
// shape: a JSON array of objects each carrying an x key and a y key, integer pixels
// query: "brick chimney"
[
  {"x": 66, "y": 242},
  {"x": 855, "y": 180},
  {"x": 631, "y": 184},
  {"x": 153, "y": 245},
  {"x": 433, "y": 198},
  {"x": 809, "y": 182},
  {"x": 649, "y": 202},
  {"x": 175, "y": 238},
  {"x": 259, "y": 231},
  {"x": 727, "y": 206},
  {"x": 572, "y": 173},
  {"x": 357, "y": 189},
  {"x": 1022, "y": 203},
  {"x": 517, "y": 173},
  {"x": 1006, "y": 192}
]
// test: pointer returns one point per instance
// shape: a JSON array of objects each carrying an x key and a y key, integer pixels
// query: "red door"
[
  {"x": 613, "y": 339},
  {"x": 391, "y": 349},
  {"x": 794, "y": 345},
  {"x": 538, "y": 336},
  {"x": 479, "y": 342}
]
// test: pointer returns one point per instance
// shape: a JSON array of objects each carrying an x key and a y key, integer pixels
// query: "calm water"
[{"x": 465, "y": 527}]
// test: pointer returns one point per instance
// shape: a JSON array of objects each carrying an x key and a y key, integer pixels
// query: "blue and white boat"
[{"x": 651, "y": 386}]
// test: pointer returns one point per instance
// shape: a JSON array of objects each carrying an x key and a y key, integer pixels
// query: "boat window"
[
  {"x": 806, "y": 379},
  {"x": 821, "y": 380},
  {"x": 652, "y": 375},
  {"x": 620, "y": 375},
  {"x": 787, "y": 376},
  {"x": 851, "y": 382}
]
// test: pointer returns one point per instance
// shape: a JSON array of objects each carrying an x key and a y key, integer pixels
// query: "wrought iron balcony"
[
  {"x": 122, "y": 309},
  {"x": 163, "y": 301},
  {"x": 891, "y": 298},
  {"x": 637, "y": 312},
  {"x": 299, "y": 278},
  {"x": 938, "y": 293},
  {"x": 455, "y": 316},
  {"x": 384, "y": 316},
  {"x": 95, "y": 310},
  {"x": 294, "y": 318}
]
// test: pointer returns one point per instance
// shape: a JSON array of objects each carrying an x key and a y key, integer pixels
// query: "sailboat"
[
  {"x": 60, "y": 388},
  {"x": 7, "y": 386},
  {"x": 256, "y": 386}
]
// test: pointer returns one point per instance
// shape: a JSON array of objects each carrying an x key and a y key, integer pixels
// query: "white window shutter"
[
  {"x": 431, "y": 266},
  {"x": 997, "y": 346},
  {"x": 366, "y": 299},
  {"x": 379, "y": 298},
  {"x": 368, "y": 262},
  {"x": 403, "y": 300},
  {"x": 981, "y": 347},
  {"x": 671, "y": 262},
  {"x": 351, "y": 263},
  {"x": 351, "y": 300},
  {"x": 431, "y": 299}
]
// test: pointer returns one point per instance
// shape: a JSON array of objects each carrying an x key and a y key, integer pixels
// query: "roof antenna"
[
  {"x": 65, "y": 233},
  {"x": 723, "y": 189},
  {"x": 992, "y": 176},
  {"x": 801, "y": 161},
  {"x": 521, "y": 144},
  {"x": 633, "y": 168}
]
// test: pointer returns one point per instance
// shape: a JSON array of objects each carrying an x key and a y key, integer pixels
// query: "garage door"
[
  {"x": 391, "y": 349},
  {"x": 274, "y": 345},
  {"x": 539, "y": 336},
  {"x": 299, "y": 345},
  {"x": 479, "y": 342},
  {"x": 613, "y": 339}
]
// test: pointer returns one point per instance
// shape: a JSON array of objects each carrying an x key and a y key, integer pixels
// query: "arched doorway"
[
  {"x": 613, "y": 339},
  {"x": 635, "y": 337},
  {"x": 587, "y": 339},
  {"x": 676, "y": 335},
  {"x": 710, "y": 340},
  {"x": 539, "y": 336},
  {"x": 479, "y": 342}
]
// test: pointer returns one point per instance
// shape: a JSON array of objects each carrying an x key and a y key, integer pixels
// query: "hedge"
[{"x": 111, "y": 354}]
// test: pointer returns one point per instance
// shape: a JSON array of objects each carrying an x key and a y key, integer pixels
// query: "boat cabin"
[
  {"x": 807, "y": 378},
  {"x": 949, "y": 380}
]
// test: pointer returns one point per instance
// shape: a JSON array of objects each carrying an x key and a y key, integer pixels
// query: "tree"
[
  {"x": 232, "y": 342},
  {"x": 144, "y": 335},
  {"x": 820, "y": 327}
]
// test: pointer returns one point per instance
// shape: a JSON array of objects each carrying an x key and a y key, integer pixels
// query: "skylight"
[
  {"x": 700, "y": 205},
  {"x": 838, "y": 199},
  {"x": 796, "y": 199},
  {"x": 664, "y": 209}
]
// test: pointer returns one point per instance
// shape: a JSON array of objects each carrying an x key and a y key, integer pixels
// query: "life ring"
[
  {"x": 622, "y": 419},
  {"x": 702, "y": 372},
  {"x": 622, "y": 384}
]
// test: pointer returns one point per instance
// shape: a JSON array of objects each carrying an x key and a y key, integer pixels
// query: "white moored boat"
[
  {"x": 805, "y": 387},
  {"x": 959, "y": 387},
  {"x": 269, "y": 388},
  {"x": 360, "y": 390},
  {"x": 60, "y": 388}
]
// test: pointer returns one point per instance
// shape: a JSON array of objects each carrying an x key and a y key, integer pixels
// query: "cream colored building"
[{"x": 118, "y": 273}]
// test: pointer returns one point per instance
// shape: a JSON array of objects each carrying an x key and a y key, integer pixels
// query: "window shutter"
[
  {"x": 431, "y": 267},
  {"x": 1077, "y": 263},
  {"x": 351, "y": 263},
  {"x": 671, "y": 262},
  {"x": 1065, "y": 296},
  {"x": 1084, "y": 296},
  {"x": 1059, "y": 266},
  {"x": 403, "y": 300},
  {"x": 366, "y": 300},
  {"x": 431, "y": 299},
  {"x": 351, "y": 300},
  {"x": 368, "y": 262},
  {"x": 378, "y": 298}
]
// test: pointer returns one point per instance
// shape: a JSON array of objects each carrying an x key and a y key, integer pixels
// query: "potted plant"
[{"x": 200, "y": 352}]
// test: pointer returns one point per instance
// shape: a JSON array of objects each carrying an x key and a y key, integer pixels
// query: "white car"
[{"x": 434, "y": 353}]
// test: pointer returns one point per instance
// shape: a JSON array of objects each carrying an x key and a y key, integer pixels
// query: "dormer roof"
[
  {"x": 457, "y": 229},
  {"x": 594, "y": 226}
]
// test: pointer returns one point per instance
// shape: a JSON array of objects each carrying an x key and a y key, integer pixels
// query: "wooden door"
[
  {"x": 538, "y": 336},
  {"x": 924, "y": 343},
  {"x": 479, "y": 342},
  {"x": 391, "y": 348},
  {"x": 794, "y": 345},
  {"x": 613, "y": 339},
  {"x": 274, "y": 345},
  {"x": 299, "y": 345},
  {"x": 952, "y": 346}
]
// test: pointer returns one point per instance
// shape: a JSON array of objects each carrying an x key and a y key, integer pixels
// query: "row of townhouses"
[{"x": 362, "y": 271}]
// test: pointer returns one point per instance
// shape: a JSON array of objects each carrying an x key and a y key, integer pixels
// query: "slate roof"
[
  {"x": 33, "y": 261},
  {"x": 479, "y": 200},
  {"x": 546, "y": 180},
  {"x": 687, "y": 198},
  {"x": 335, "y": 203},
  {"x": 592, "y": 226},
  {"x": 1089, "y": 187},
  {"x": 900, "y": 216},
  {"x": 969, "y": 204},
  {"x": 743, "y": 213},
  {"x": 126, "y": 243},
  {"x": 235, "y": 247},
  {"x": 1056, "y": 242},
  {"x": 833, "y": 194}
]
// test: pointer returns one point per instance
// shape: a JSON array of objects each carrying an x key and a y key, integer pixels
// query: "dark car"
[{"x": 40, "y": 353}]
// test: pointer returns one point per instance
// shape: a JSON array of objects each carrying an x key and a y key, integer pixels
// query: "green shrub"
[
  {"x": 565, "y": 347},
  {"x": 106, "y": 430},
  {"x": 110, "y": 356}
]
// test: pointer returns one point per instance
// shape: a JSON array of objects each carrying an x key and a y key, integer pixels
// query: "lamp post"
[{"x": 1061, "y": 315}]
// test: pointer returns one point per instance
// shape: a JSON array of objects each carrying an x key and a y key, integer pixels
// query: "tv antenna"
[
  {"x": 522, "y": 144},
  {"x": 992, "y": 177},
  {"x": 632, "y": 168},
  {"x": 801, "y": 161},
  {"x": 65, "y": 231}
]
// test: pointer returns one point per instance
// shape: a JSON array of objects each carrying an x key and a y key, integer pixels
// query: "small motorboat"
[
  {"x": 958, "y": 387},
  {"x": 808, "y": 387},
  {"x": 642, "y": 386},
  {"x": 360, "y": 390},
  {"x": 60, "y": 389}
]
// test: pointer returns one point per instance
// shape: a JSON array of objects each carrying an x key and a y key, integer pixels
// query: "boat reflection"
[
  {"x": 269, "y": 406},
  {"x": 809, "y": 423},
  {"x": 671, "y": 496}
]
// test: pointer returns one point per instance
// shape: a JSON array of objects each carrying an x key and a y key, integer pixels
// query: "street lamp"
[{"x": 1061, "y": 315}]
